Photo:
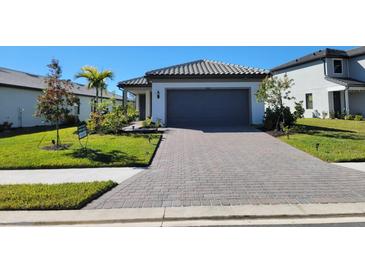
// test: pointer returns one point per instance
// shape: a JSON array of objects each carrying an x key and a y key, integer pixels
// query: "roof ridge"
[
  {"x": 172, "y": 66},
  {"x": 24, "y": 72},
  {"x": 41, "y": 76},
  {"x": 236, "y": 65},
  {"x": 210, "y": 63},
  {"x": 134, "y": 78}
]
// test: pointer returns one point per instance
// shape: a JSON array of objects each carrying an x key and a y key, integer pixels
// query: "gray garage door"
[{"x": 207, "y": 108}]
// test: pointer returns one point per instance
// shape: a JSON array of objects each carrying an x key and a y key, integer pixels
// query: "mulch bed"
[{"x": 60, "y": 147}]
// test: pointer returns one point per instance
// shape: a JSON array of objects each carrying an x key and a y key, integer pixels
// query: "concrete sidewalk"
[
  {"x": 360, "y": 166},
  {"x": 53, "y": 176},
  {"x": 284, "y": 214}
]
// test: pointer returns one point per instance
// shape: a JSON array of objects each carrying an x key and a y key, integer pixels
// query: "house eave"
[{"x": 206, "y": 77}]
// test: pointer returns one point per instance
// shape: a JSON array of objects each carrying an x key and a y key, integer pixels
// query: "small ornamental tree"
[
  {"x": 273, "y": 91},
  {"x": 57, "y": 99}
]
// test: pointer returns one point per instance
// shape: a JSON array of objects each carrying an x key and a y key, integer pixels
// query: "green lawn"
[
  {"x": 24, "y": 150},
  {"x": 339, "y": 140},
  {"x": 55, "y": 196}
]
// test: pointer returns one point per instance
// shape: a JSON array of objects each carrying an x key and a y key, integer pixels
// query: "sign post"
[{"x": 83, "y": 132}]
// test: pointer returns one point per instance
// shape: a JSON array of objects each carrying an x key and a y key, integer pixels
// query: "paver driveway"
[{"x": 232, "y": 167}]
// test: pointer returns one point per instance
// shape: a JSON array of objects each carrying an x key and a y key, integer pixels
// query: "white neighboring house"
[
  {"x": 329, "y": 80},
  {"x": 18, "y": 98},
  {"x": 199, "y": 93}
]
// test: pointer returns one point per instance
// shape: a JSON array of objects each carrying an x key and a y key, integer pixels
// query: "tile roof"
[
  {"x": 347, "y": 82},
  {"x": 135, "y": 82},
  {"x": 16, "y": 78},
  {"x": 206, "y": 68},
  {"x": 356, "y": 51},
  {"x": 323, "y": 53}
]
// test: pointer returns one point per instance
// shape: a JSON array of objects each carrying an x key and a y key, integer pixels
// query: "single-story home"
[
  {"x": 18, "y": 98},
  {"x": 330, "y": 82},
  {"x": 199, "y": 93}
]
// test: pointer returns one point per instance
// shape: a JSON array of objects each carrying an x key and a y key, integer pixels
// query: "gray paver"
[{"x": 233, "y": 166}]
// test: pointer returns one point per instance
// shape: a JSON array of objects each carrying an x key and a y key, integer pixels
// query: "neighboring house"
[
  {"x": 199, "y": 93},
  {"x": 18, "y": 98},
  {"x": 329, "y": 80}
]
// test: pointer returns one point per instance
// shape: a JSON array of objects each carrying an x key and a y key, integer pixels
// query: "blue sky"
[{"x": 130, "y": 62}]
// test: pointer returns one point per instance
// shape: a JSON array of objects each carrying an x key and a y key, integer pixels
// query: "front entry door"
[
  {"x": 142, "y": 107},
  {"x": 337, "y": 103}
]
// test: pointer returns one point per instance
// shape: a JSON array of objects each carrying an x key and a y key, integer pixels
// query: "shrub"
[
  {"x": 332, "y": 115},
  {"x": 349, "y": 117},
  {"x": 272, "y": 115},
  {"x": 113, "y": 122},
  {"x": 132, "y": 113},
  {"x": 5, "y": 126},
  {"x": 316, "y": 114},
  {"x": 71, "y": 120},
  {"x": 299, "y": 110},
  {"x": 109, "y": 118},
  {"x": 324, "y": 114},
  {"x": 94, "y": 122},
  {"x": 358, "y": 117},
  {"x": 147, "y": 123},
  {"x": 158, "y": 123}
]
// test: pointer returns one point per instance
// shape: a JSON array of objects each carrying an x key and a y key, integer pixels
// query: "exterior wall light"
[{"x": 158, "y": 94}]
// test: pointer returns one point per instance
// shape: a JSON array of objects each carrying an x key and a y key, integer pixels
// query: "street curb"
[{"x": 164, "y": 215}]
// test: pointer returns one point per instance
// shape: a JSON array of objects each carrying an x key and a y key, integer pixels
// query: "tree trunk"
[
  {"x": 101, "y": 95},
  {"x": 57, "y": 134}
]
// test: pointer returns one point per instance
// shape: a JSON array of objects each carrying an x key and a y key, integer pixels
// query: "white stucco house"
[
  {"x": 329, "y": 80},
  {"x": 199, "y": 93},
  {"x": 18, "y": 98}
]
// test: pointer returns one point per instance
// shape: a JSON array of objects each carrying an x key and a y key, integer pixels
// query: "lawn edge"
[
  {"x": 91, "y": 166},
  {"x": 79, "y": 206}
]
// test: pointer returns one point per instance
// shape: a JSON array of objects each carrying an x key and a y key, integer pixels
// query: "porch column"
[
  {"x": 148, "y": 104},
  {"x": 137, "y": 102},
  {"x": 347, "y": 105}
]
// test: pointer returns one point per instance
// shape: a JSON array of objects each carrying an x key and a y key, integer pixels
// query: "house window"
[
  {"x": 337, "y": 66},
  {"x": 309, "y": 101},
  {"x": 78, "y": 108}
]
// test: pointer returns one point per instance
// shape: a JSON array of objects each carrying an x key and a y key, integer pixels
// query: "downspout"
[
  {"x": 328, "y": 94},
  {"x": 324, "y": 67}
]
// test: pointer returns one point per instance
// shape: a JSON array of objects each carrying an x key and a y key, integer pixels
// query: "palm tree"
[{"x": 96, "y": 79}]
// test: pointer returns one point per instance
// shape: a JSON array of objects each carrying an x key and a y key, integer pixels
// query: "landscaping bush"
[
  {"x": 132, "y": 113},
  {"x": 94, "y": 122},
  {"x": 299, "y": 110},
  {"x": 71, "y": 120},
  {"x": 147, "y": 123},
  {"x": 349, "y": 117},
  {"x": 108, "y": 118},
  {"x": 332, "y": 115},
  {"x": 158, "y": 123},
  {"x": 358, "y": 117},
  {"x": 113, "y": 122},
  {"x": 272, "y": 115},
  {"x": 5, "y": 126},
  {"x": 324, "y": 114}
]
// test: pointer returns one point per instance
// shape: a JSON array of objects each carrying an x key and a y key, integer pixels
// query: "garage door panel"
[{"x": 207, "y": 107}]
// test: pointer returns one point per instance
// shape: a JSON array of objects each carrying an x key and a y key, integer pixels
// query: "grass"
[
  {"x": 23, "y": 150},
  {"x": 55, "y": 196},
  {"x": 339, "y": 140}
]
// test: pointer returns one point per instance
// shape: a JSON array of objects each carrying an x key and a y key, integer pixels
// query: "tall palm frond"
[{"x": 95, "y": 79}]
